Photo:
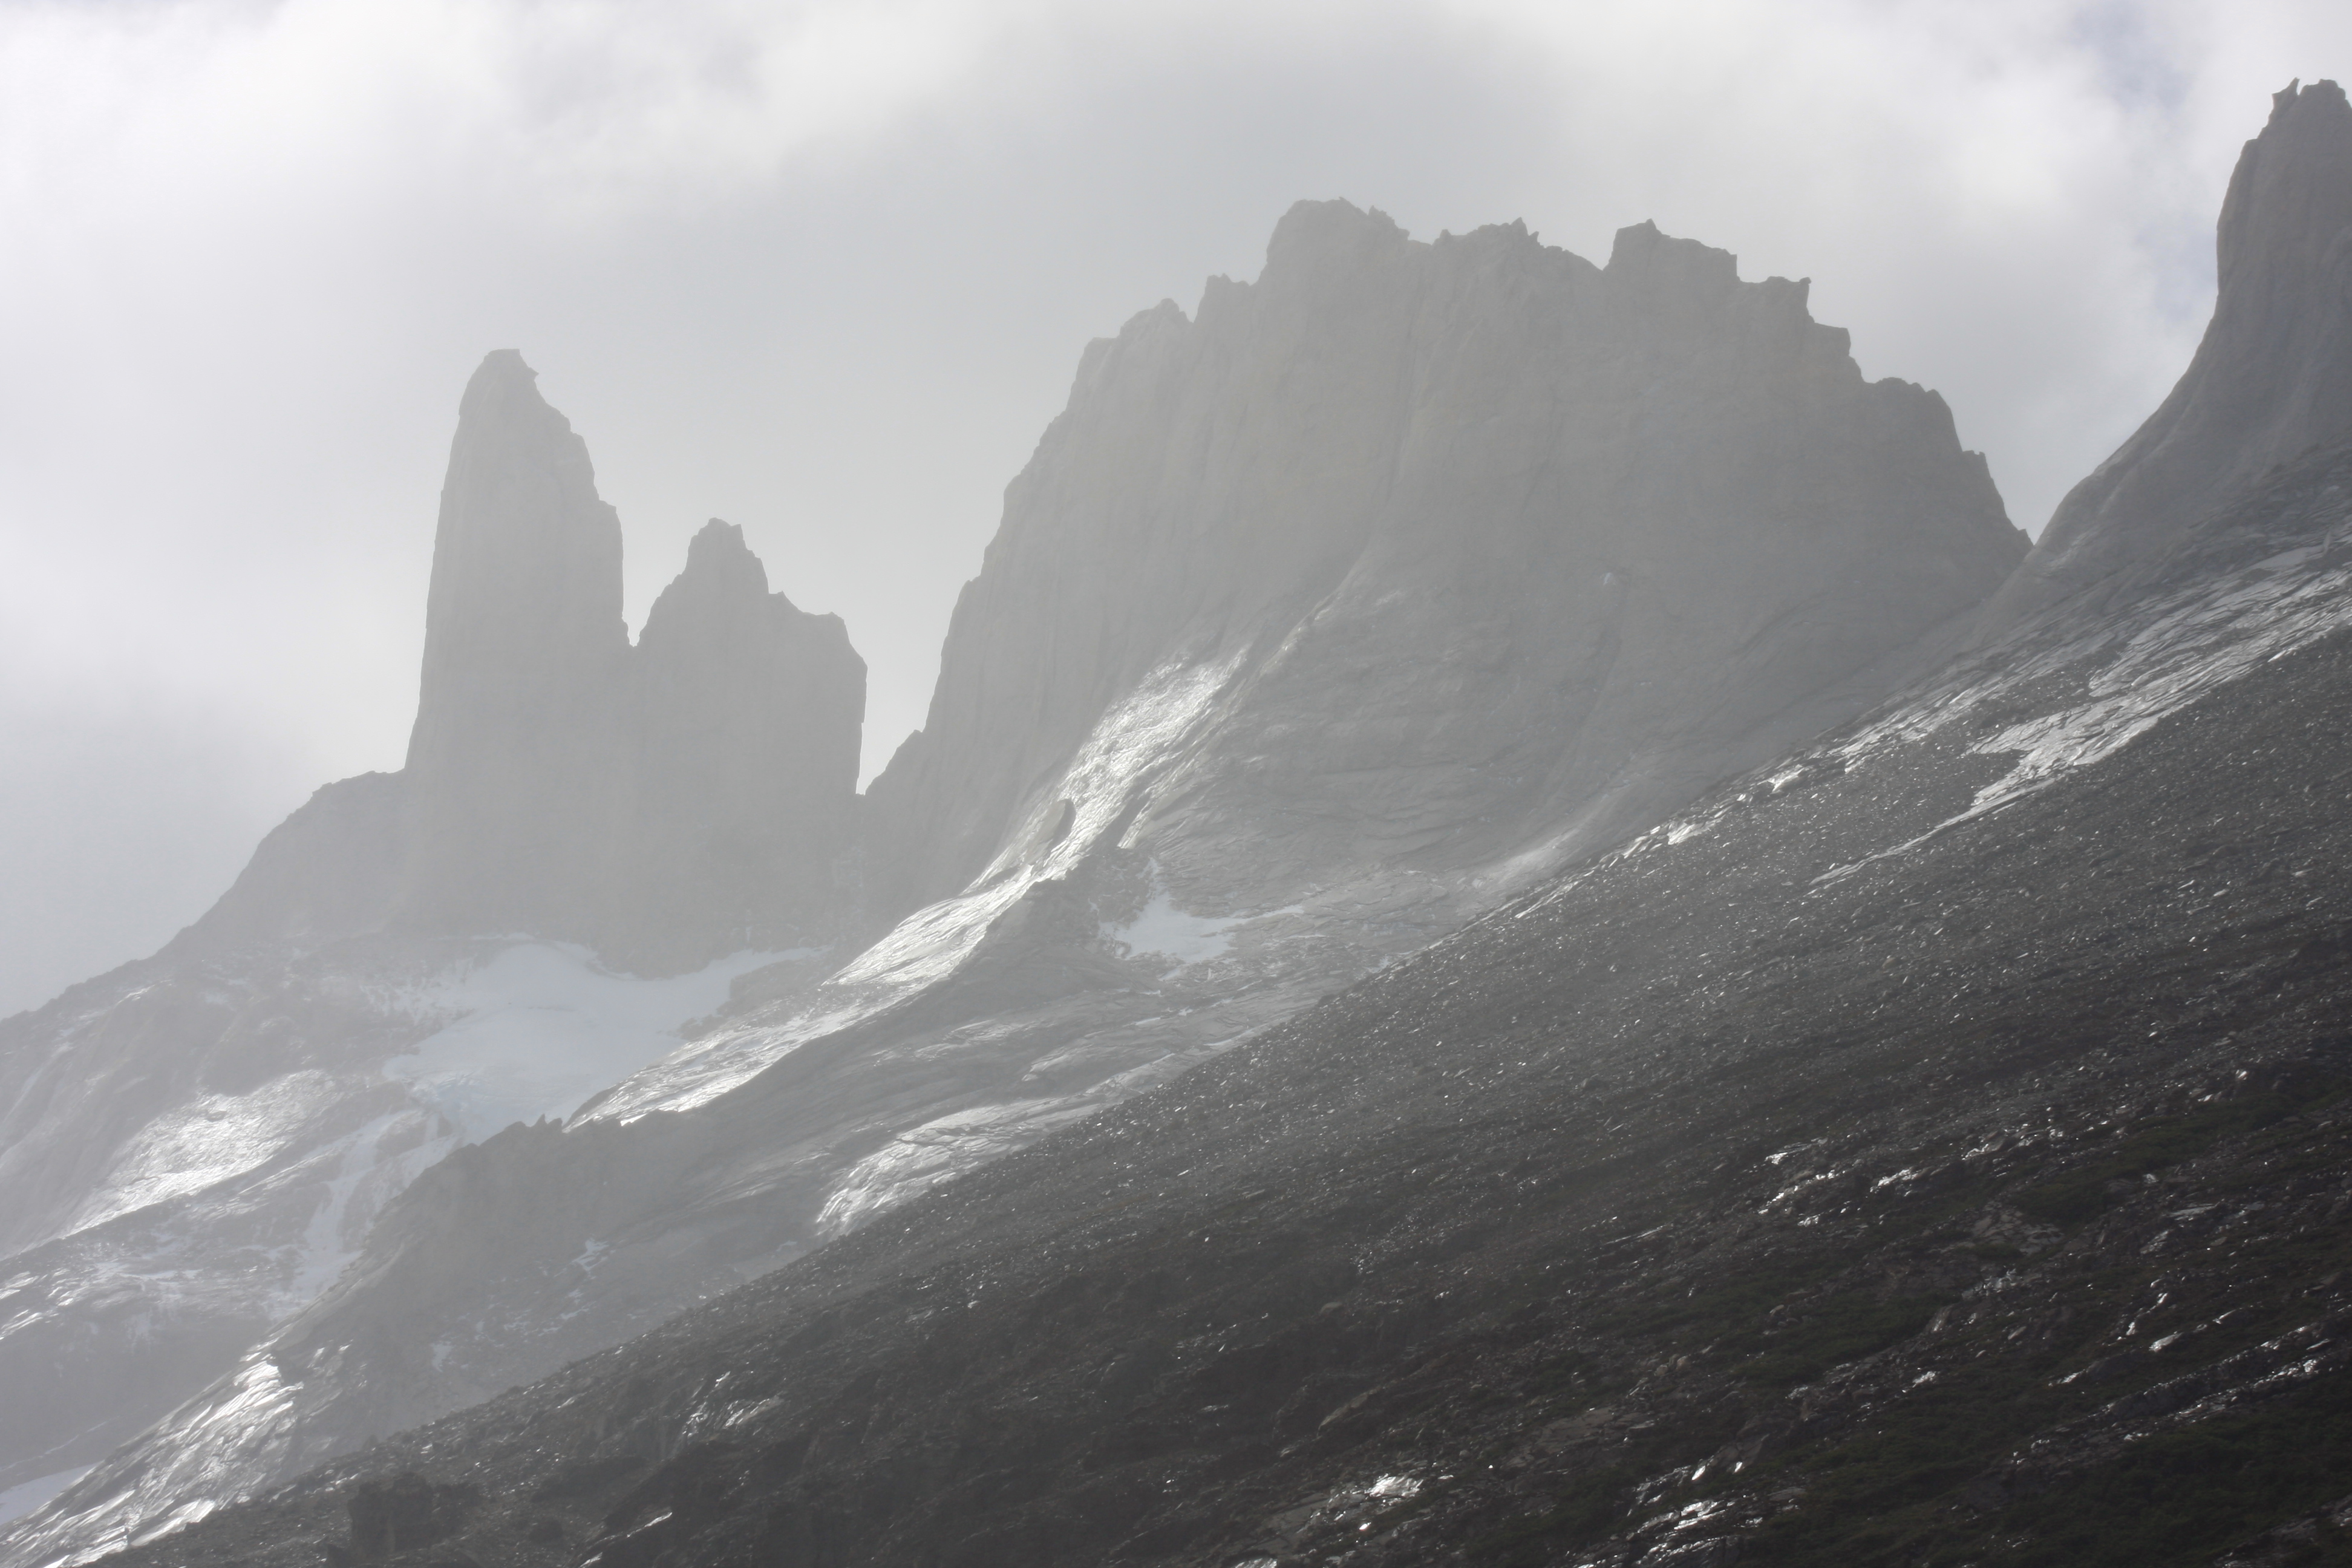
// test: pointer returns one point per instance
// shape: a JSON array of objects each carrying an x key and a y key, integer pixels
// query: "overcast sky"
[{"x": 826, "y": 270}]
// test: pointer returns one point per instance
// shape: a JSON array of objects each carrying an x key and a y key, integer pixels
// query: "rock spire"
[
  {"x": 511, "y": 766},
  {"x": 2272, "y": 378}
]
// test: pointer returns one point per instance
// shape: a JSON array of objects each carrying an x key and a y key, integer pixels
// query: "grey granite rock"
[
  {"x": 1319, "y": 621},
  {"x": 744, "y": 725},
  {"x": 664, "y": 802},
  {"x": 2271, "y": 379},
  {"x": 190, "y": 1145},
  {"x": 1476, "y": 536},
  {"x": 1317, "y": 624},
  {"x": 512, "y": 766}
]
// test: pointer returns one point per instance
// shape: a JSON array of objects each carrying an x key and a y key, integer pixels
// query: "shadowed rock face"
[
  {"x": 190, "y": 1146},
  {"x": 664, "y": 802},
  {"x": 2272, "y": 378},
  {"x": 744, "y": 727},
  {"x": 511, "y": 765},
  {"x": 1475, "y": 535},
  {"x": 1935, "y": 1149}
]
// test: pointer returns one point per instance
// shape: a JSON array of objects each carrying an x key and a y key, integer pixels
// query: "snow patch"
[
  {"x": 920, "y": 1158},
  {"x": 544, "y": 1027},
  {"x": 209, "y": 1139},
  {"x": 1131, "y": 745},
  {"x": 23, "y": 1498},
  {"x": 1166, "y": 931},
  {"x": 365, "y": 1179}
]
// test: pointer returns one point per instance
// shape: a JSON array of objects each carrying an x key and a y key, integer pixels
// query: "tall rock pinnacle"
[
  {"x": 512, "y": 759},
  {"x": 663, "y": 803},
  {"x": 746, "y": 724},
  {"x": 2272, "y": 376}
]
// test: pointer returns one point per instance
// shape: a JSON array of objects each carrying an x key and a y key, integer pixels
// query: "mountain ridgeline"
[
  {"x": 1521, "y": 932},
  {"x": 1483, "y": 544}
]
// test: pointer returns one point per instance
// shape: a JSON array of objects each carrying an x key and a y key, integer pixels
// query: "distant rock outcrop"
[
  {"x": 2271, "y": 379},
  {"x": 663, "y": 803},
  {"x": 332, "y": 869},
  {"x": 1477, "y": 536}
]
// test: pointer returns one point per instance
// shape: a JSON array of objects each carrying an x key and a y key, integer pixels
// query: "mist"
[{"x": 825, "y": 271}]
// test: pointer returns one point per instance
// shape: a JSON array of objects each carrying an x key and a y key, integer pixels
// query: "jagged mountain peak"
[
  {"x": 720, "y": 571},
  {"x": 526, "y": 586},
  {"x": 660, "y": 802},
  {"x": 1387, "y": 459},
  {"x": 1317, "y": 234},
  {"x": 1643, "y": 247},
  {"x": 2289, "y": 196},
  {"x": 2271, "y": 380},
  {"x": 718, "y": 546},
  {"x": 503, "y": 376}
]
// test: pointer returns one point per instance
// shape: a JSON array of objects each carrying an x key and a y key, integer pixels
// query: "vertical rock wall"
[
  {"x": 744, "y": 717},
  {"x": 663, "y": 803},
  {"x": 513, "y": 767}
]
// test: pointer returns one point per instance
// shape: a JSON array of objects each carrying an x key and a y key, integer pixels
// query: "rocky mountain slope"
[
  {"x": 1318, "y": 625},
  {"x": 1266, "y": 683},
  {"x": 2271, "y": 379},
  {"x": 192, "y": 1146},
  {"x": 1473, "y": 549},
  {"x": 1933, "y": 1149},
  {"x": 1927, "y": 1147}
]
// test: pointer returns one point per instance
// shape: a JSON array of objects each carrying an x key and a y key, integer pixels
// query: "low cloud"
[{"x": 826, "y": 270}]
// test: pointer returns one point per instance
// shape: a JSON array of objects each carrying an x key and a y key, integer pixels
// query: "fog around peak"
[{"x": 826, "y": 271}]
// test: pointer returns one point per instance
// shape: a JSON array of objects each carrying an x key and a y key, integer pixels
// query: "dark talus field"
[
  {"x": 1517, "y": 936},
  {"x": 1741, "y": 1193}
]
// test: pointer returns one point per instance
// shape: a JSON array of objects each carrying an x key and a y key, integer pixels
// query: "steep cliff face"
[
  {"x": 1934, "y": 1147},
  {"x": 1317, "y": 624},
  {"x": 1472, "y": 534},
  {"x": 332, "y": 870},
  {"x": 511, "y": 766},
  {"x": 744, "y": 715},
  {"x": 663, "y": 803},
  {"x": 2271, "y": 379}
]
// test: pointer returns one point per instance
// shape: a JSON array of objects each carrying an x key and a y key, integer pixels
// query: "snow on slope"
[
  {"x": 541, "y": 1027},
  {"x": 228, "y": 1211}
]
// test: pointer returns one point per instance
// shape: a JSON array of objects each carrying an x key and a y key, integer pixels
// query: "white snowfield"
[
  {"x": 540, "y": 1027},
  {"x": 296, "y": 1168}
]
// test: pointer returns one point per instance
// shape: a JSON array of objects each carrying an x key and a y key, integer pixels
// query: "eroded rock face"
[
  {"x": 332, "y": 870},
  {"x": 664, "y": 803},
  {"x": 2271, "y": 379},
  {"x": 1935, "y": 1149},
  {"x": 1318, "y": 622},
  {"x": 1468, "y": 537}
]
